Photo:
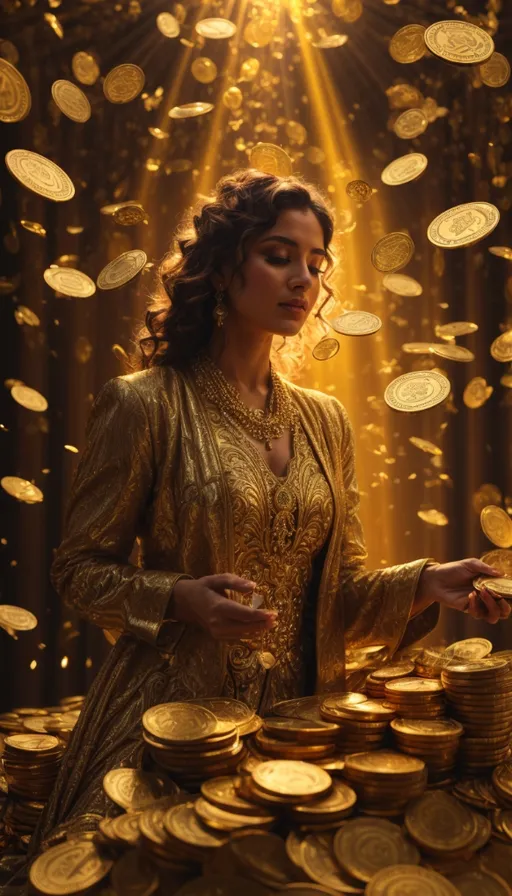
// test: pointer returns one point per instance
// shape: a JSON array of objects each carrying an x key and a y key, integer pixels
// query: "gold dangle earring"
[{"x": 220, "y": 312}]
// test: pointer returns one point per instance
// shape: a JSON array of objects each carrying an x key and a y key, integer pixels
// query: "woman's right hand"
[{"x": 204, "y": 602}]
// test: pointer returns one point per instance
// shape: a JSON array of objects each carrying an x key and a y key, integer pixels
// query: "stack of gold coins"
[
  {"x": 445, "y": 828},
  {"x": 309, "y": 707},
  {"x": 385, "y": 781},
  {"x": 281, "y": 783},
  {"x": 225, "y": 709},
  {"x": 191, "y": 743},
  {"x": 480, "y": 699},
  {"x": 415, "y": 698},
  {"x": 363, "y": 725},
  {"x": 285, "y": 738},
  {"x": 325, "y": 812},
  {"x": 156, "y": 845},
  {"x": 374, "y": 685},
  {"x": 429, "y": 662},
  {"x": 436, "y": 741},
  {"x": 221, "y": 806},
  {"x": 21, "y": 817},
  {"x": 11, "y": 723},
  {"x": 31, "y": 763}
]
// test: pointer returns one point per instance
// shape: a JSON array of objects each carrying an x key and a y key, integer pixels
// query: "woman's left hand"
[{"x": 451, "y": 584}]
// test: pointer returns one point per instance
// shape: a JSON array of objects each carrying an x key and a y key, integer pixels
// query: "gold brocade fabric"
[
  {"x": 280, "y": 523},
  {"x": 153, "y": 470}
]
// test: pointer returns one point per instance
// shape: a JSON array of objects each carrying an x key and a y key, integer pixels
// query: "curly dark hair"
[{"x": 179, "y": 318}]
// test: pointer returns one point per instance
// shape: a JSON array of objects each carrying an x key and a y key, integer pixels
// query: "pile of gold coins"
[
  {"x": 376, "y": 680},
  {"x": 30, "y": 765},
  {"x": 435, "y": 741},
  {"x": 415, "y": 698},
  {"x": 363, "y": 723},
  {"x": 385, "y": 780}
]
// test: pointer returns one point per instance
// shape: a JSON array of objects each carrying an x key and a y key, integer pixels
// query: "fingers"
[
  {"x": 242, "y": 615},
  {"x": 491, "y": 606},
  {"x": 231, "y": 621},
  {"x": 228, "y": 580},
  {"x": 483, "y": 569}
]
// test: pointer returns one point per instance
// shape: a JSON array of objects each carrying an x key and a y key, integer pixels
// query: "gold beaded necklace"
[{"x": 262, "y": 425}]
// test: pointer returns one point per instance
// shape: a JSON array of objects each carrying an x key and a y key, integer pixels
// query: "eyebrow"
[{"x": 289, "y": 242}]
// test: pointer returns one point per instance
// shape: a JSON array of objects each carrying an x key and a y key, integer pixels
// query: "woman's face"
[{"x": 283, "y": 265}]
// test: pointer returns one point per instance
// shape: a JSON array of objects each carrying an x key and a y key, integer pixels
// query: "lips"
[{"x": 298, "y": 306}]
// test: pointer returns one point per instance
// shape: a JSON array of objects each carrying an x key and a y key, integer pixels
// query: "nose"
[{"x": 301, "y": 277}]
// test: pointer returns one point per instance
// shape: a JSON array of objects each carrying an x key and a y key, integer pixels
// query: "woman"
[{"x": 233, "y": 480}]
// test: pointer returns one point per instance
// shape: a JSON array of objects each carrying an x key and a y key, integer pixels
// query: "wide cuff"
[{"x": 148, "y": 605}]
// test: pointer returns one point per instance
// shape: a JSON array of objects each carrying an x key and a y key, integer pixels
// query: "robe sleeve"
[
  {"x": 110, "y": 494},
  {"x": 377, "y": 603}
]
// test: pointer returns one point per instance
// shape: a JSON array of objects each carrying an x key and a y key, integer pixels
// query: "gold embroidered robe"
[{"x": 152, "y": 469}]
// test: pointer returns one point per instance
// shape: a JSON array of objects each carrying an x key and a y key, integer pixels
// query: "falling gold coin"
[
  {"x": 452, "y": 352},
  {"x": 40, "y": 175},
  {"x": 501, "y": 252},
  {"x": 22, "y": 489},
  {"x": 71, "y": 100},
  {"x": 411, "y": 123},
  {"x": 477, "y": 392},
  {"x": 435, "y": 517},
  {"x": 29, "y": 398},
  {"x": 348, "y": 10},
  {"x": 408, "y": 44},
  {"x": 501, "y": 348},
  {"x": 496, "y": 526},
  {"x": 417, "y": 391},
  {"x": 232, "y": 98},
  {"x": 216, "y": 28},
  {"x": 416, "y": 348},
  {"x": 496, "y": 71},
  {"x": 33, "y": 227},
  {"x": 85, "y": 68},
  {"x": 404, "y": 169},
  {"x": 25, "y": 315},
  {"x": 123, "y": 83},
  {"x": 402, "y": 285},
  {"x": 500, "y": 559},
  {"x": 425, "y": 445},
  {"x": 122, "y": 269},
  {"x": 15, "y": 99},
  {"x": 359, "y": 191},
  {"x": 70, "y": 867},
  {"x": 392, "y": 252},
  {"x": 459, "y": 42},
  {"x": 16, "y": 618},
  {"x": 488, "y": 493},
  {"x": 190, "y": 110},
  {"x": 167, "y": 24},
  {"x": 456, "y": 328},
  {"x": 129, "y": 214},
  {"x": 326, "y": 349},
  {"x": 356, "y": 323},
  {"x": 330, "y": 41},
  {"x": 270, "y": 159},
  {"x": 506, "y": 380},
  {"x": 70, "y": 282},
  {"x": 463, "y": 225}
]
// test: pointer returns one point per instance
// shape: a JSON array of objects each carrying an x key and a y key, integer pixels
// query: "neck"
[{"x": 244, "y": 361}]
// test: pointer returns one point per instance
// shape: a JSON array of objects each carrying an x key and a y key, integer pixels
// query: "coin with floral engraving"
[
  {"x": 123, "y": 83},
  {"x": 15, "y": 99},
  {"x": 359, "y": 191},
  {"x": 271, "y": 159},
  {"x": 40, "y": 175},
  {"x": 459, "y": 42},
  {"x": 71, "y": 100},
  {"x": 463, "y": 225},
  {"x": 417, "y": 391},
  {"x": 404, "y": 169},
  {"x": 326, "y": 349},
  {"x": 392, "y": 252}
]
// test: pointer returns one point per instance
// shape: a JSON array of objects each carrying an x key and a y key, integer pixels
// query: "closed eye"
[{"x": 278, "y": 259}]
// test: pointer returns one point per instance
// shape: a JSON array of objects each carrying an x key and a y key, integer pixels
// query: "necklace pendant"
[{"x": 268, "y": 445}]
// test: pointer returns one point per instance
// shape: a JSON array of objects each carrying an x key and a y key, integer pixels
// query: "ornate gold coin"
[
  {"x": 500, "y": 559},
  {"x": 496, "y": 71},
  {"x": 71, "y": 100},
  {"x": 356, "y": 323},
  {"x": 439, "y": 823},
  {"x": 168, "y": 24},
  {"x": 392, "y": 252},
  {"x": 401, "y": 879},
  {"x": 452, "y": 352},
  {"x": 459, "y": 42},
  {"x": 417, "y": 391},
  {"x": 70, "y": 867},
  {"x": 15, "y": 99},
  {"x": 271, "y": 159},
  {"x": 123, "y": 83},
  {"x": 402, "y": 285},
  {"x": 29, "y": 398},
  {"x": 497, "y": 526},
  {"x": 425, "y": 445},
  {"x": 404, "y": 169},
  {"x": 469, "y": 649},
  {"x": 359, "y": 191},
  {"x": 179, "y": 723},
  {"x": 40, "y": 175},
  {"x": 408, "y": 44},
  {"x": 326, "y": 349},
  {"x": 132, "y": 788},
  {"x": 129, "y": 214},
  {"x": 216, "y": 28},
  {"x": 365, "y": 845},
  {"x": 85, "y": 68},
  {"x": 477, "y": 392},
  {"x": 70, "y": 282},
  {"x": 122, "y": 269},
  {"x": 501, "y": 348},
  {"x": 463, "y": 225},
  {"x": 33, "y": 743},
  {"x": 293, "y": 779},
  {"x": 502, "y": 585},
  {"x": 22, "y": 489},
  {"x": 410, "y": 124},
  {"x": 17, "y": 618},
  {"x": 190, "y": 110}
]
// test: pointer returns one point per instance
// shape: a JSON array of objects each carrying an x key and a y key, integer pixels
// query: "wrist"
[
  {"x": 425, "y": 592},
  {"x": 172, "y": 611}
]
